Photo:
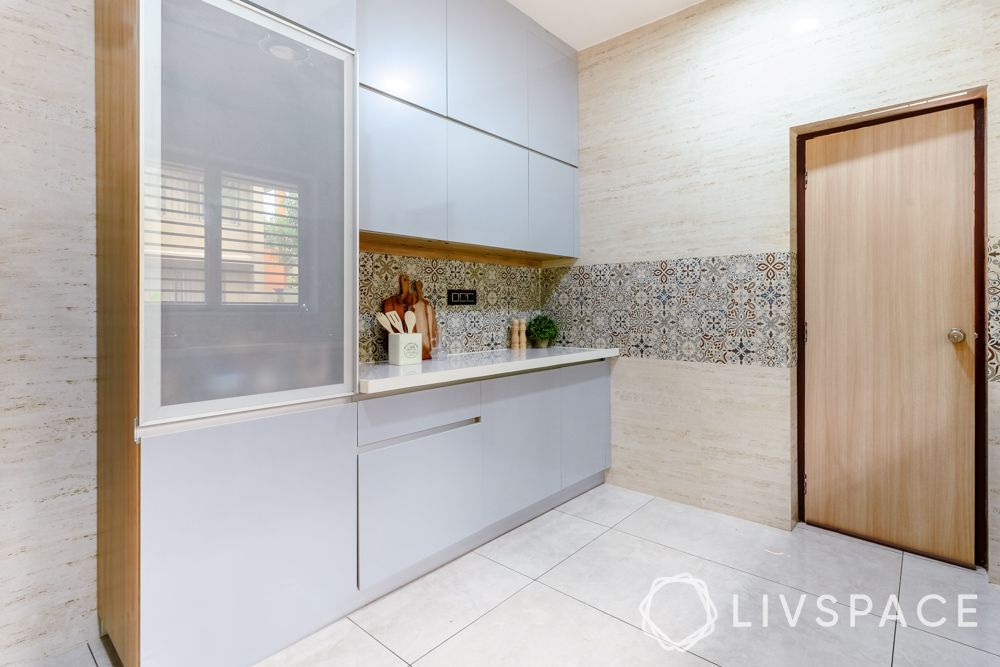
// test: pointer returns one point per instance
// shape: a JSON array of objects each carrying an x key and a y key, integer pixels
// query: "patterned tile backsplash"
[
  {"x": 993, "y": 310},
  {"x": 734, "y": 309},
  {"x": 504, "y": 292}
]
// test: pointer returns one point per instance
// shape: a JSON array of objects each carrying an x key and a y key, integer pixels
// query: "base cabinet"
[
  {"x": 585, "y": 415},
  {"x": 248, "y": 536},
  {"x": 416, "y": 498},
  {"x": 522, "y": 452}
]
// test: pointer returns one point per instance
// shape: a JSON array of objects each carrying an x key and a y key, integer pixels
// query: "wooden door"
[{"x": 889, "y": 270}]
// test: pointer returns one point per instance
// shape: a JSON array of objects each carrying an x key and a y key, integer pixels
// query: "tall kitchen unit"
[{"x": 227, "y": 255}]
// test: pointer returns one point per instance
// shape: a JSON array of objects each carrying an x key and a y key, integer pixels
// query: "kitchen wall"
[
  {"x": 684, "y": 130},
  {"x": 47, "y": 364},
  {"x": 503, "y": 293}
]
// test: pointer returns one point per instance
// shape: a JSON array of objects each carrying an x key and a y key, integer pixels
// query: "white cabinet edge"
[{"x": 383, "y": 378}]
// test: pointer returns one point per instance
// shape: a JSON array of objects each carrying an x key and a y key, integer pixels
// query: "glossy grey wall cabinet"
[
  {"x": 488, "y": 67},
  {"x": 552, "y": 97},
  {"x": 403, "y": 50},
  {"x": 487, "y": 190},
  {"x": 335, "y": 19},
  {"x": 552, "y": 206},
  {"x": 403, "y": 168},
  {"x": 248, "y": 536}
]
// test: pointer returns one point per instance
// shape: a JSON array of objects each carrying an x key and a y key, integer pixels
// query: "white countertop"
[{"x": 380, "y": 378}]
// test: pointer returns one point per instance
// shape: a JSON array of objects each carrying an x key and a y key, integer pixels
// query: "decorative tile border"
[
  {"x": 993, "y": 310},
  {"x": 735, "y": 309},
  {"x": 504, "y": 292}
]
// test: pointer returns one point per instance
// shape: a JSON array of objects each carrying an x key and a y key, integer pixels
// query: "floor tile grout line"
[
  {"x": 478, "y": 618},
  {"x": 895, "y": 624},
  {"x": 651, "y": 499},
  {"x": 732, "y": 567},
  {"x": 596, "y": 537},
  {"x": 380, "y": 642},
  {"x": 610, "y": 615},
  {"x": 953, "y": 641}
]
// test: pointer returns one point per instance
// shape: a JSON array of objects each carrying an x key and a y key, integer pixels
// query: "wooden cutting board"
[{"x": 413, "y": 300}]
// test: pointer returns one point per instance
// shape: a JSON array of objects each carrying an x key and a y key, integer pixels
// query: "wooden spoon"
[
  {"x": 411, "y": 321},
  {"x": 384, "y": 321}
]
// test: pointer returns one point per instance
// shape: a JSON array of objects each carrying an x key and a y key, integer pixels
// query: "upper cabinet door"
[
  {"x": 335, "y": 19},
  {"x": 487, "y": 190},
  {"x": 552, "y": 97},
  {"x": 249, "y": 242},
  {"x": 552, "y": 194},
  {"x": 403, "y": 176},
  {"x": 403, "y": 48},
  {"x": 487, "y": 67}
]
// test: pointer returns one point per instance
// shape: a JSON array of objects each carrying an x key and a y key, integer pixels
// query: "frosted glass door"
[{"x": 249, "y": 241}]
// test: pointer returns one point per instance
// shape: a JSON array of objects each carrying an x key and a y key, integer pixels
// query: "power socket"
[{"x": 461, "y": 297}]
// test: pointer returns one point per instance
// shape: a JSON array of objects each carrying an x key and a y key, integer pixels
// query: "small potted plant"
[{"x": 541, "y": 331}]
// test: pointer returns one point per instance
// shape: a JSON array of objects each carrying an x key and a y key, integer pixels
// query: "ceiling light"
[{"x": 284, "y": 49}]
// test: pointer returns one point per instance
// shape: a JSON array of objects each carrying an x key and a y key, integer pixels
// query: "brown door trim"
[{"x": 981, "y": 472}]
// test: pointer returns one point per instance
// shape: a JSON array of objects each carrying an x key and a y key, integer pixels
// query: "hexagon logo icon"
[{"x": 687, "y": 643}]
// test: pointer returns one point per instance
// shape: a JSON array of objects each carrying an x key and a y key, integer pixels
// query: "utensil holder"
[{"x": 405, "y": 349}]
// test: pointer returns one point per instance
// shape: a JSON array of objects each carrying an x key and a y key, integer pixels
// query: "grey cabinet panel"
[
  {"x": 552, "y": 206},
  {"x": 416, "y": 498},
  {"x": 248, "y": 536},
  {"x": 552, "y": 97},
  {"x": 336, "y": 19},
  {"x": 395, "y": 416},
  {"x": 487, "y": 67},
  {"x": 585, "y": 398},
  {"x": 403, "y": 49},
  {"x": 521, "y": 450},
  {"x": 487, "y": 190},
  {"x": 403, "y": 167}
]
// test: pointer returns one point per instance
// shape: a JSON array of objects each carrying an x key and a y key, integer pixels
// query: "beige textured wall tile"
[
  {"x": 714, "y": 436},
  {"x": 47, "y": 325},
  {"x": 684, "y": 124},
  {"x": 684, "y": 152}
]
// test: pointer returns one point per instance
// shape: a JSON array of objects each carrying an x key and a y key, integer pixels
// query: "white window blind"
[
  {"x": 175, "y": 246},
  {"x": 260, "y": 242}
]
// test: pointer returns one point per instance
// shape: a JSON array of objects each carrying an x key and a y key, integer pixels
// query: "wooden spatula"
[{"x": 396, "y": 322}]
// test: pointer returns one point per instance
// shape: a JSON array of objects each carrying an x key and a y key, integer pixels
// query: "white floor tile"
[
  {"x": 541, "y": 627},
  {"x": 922, "y": 577},
  {"x": 77, "y": 657},
  {"x": 614, "y": 574},
  {"x": 606, "y": 505},
  {"x": 343, "y": 644},
  {"x": 816, "y": 561},
  {"x": 540, "y": 545},
  {"x": 414, "y": 619},
  {"x": 101, "y": 656},
  {"x": 920, "y": 649}
]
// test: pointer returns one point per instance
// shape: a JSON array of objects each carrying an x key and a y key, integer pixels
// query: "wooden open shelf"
[{"x": 392, "y": 244}]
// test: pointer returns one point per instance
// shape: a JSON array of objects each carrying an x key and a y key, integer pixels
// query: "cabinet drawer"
[
  {"x": 416, "y": 498},
  {"x": 404, "y": 414}
]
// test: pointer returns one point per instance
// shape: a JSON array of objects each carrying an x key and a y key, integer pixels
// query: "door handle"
[{"x": 956, "y": 335}]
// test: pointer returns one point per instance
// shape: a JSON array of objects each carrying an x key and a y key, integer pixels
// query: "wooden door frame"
[{"x": 799, "y": 136}]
